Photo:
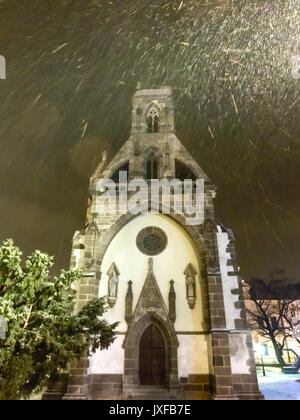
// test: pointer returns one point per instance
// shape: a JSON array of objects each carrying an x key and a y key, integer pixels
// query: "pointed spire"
[
  {"x": 172, "y": 302},
  {"x": 104, "y": 157},
  {"x": 150, "y": 298},
  {"x": 98, "y": 171},
  {"x": 128, "y": 303},
  {"x": 150, "y": 263}
]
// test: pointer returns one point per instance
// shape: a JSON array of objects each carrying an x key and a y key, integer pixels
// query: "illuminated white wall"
[
  {"x": 169, "y": 265},
  {"x": 237, "y": 341}
]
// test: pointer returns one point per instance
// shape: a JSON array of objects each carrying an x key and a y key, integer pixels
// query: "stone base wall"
[
  {"x": 193, "y": 387},
  {"x": 57, "y": 390},
  {"x": 105, "y": 386},
  {"x": 246, "y": 388},
  {"x": 196, "y": 387}
]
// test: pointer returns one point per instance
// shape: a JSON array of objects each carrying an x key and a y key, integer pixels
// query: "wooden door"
[{"x": 152, "y": 357}]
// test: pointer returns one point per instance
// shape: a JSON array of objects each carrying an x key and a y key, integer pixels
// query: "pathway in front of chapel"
[{"x": 280, "y": 386}]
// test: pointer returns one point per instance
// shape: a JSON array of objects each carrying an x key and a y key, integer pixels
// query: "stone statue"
[
  {"x": 190, "y": 275},
  {"x": 113, "y": 282},
  {"x": 190, "y": 284},
  {"x": 113, "y": 285}
]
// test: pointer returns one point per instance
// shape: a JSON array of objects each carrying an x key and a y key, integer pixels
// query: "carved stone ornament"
[
  {"x": 128, "y": 303},
  {"x": 172, "y": 302},
  {"x": 190, "y": 281},
  {"x": 151, "y": 241},
  {"x": 113, "y": 283}
]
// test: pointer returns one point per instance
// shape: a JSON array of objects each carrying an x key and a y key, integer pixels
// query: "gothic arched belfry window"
[
  {"x": 152, "y": 172},
  {"x": 153, "y": 121}
]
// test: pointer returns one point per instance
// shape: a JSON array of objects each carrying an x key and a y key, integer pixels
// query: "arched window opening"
[
  {"x": 123, "y": 168},
  {"x": 182, "y": 172},
  {"x": 153, "y": 121},
  {"x": 152, "y": 166}
]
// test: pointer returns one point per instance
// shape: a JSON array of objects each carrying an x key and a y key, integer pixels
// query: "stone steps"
[{"x": 149, "y": 392}]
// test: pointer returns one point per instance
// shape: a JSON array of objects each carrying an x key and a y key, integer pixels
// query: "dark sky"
[{"x": 72, "y": 62}]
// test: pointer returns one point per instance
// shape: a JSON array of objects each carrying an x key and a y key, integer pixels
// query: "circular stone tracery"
[{"x": 151, "y": 240}]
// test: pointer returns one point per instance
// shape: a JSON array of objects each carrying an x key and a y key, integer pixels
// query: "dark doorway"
[{"x": 152, "y": 359}]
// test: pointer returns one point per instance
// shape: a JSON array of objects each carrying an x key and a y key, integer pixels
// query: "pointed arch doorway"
[{"x": 152, "y": 357}]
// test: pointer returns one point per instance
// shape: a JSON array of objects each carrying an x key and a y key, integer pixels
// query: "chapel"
[{"x": 173, "y": 287}]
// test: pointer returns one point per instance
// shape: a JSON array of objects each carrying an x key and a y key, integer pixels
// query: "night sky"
[{"x": 72, "y": 68}]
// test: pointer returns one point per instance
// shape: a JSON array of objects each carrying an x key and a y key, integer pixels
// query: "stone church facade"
[{"x": 174, "y": 288}]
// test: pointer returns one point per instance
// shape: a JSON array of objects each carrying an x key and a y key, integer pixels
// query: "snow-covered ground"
[{"x": 280, "y": 387}]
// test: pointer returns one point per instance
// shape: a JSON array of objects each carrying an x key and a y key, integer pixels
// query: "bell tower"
[{"x": 153, "y": 111}]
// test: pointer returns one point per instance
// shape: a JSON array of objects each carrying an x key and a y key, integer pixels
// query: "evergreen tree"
[{"x": 43, "y": 334}]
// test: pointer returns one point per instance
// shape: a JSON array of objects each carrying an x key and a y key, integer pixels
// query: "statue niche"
[
  {"x": 190, "y": 281},
  {"x": 113, "y": 283}
]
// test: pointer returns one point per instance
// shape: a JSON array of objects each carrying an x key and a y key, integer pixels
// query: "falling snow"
[{"x": 72, "y": 69}]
